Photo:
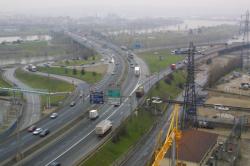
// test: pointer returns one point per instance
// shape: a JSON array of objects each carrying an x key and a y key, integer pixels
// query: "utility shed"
[{"x": 193, "y": 148}]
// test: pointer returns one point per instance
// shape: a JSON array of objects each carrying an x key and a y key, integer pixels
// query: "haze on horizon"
[{"x": 127, "y": 8}]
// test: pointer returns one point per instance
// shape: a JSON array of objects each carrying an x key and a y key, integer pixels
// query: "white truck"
[
  {"x": 137, "y": 71},
  {"x": 93, "y": 114},
  {"x": 103, "y": 127}
]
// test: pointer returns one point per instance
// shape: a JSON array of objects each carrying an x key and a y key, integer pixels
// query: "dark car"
[
  {"x": 32, "y": 128},
  {"x": 54, "y": 163},
  {"x": 72, "y": 104},
  {"x": 44, "y": 133}
]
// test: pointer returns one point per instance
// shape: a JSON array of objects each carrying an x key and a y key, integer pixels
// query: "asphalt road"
[
  {"x": 32, "y": 112},
  {"x": 10, "y": 146},
  {"x": 79, "y": 141}
]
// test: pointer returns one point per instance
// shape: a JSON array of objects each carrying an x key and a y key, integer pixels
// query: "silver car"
[
  {"x": 37, "y": 131},
  {"x": 53, "y": 115}
]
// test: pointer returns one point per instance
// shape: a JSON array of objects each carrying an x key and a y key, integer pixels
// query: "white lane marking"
[{"x": 137, "y": 85}]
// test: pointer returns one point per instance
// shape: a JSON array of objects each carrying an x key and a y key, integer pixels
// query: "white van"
[
  {"x": 93, "y": 114},
  {"x": 220, "y": 107}
]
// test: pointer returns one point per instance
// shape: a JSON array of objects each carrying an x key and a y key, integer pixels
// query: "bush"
[
  {"x": 181, "y": 85},
  {"x": 168, "y": 80},
  {"x": 82, "y": 71},
  {"x": 4, "y": 93},
  {"x": 171, "y": 76},
  {"x": 74, "y": 71},
  {"x": 94, "y": 73}
]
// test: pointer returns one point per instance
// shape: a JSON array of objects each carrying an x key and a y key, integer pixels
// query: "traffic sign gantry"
[
  {"x": 96, "y": 97},
  {"x": 114, "y": 96}
]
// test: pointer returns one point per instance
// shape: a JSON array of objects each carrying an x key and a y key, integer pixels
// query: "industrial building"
[{"x": 193, "y": 149}]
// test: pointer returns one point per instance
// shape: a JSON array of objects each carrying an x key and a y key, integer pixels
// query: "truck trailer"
[
  {"x": 139, "y": 92},
  {"x": 103, "y": 127}
]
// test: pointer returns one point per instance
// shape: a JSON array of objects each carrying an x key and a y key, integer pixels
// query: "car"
[
  {"x": 44, "y": 133},
  {"x": 37, "y": 131},
  {"x": 53, "y": 115},
  {"x": 220, "y": 107},
  {"x": 112, "y": 73},
  {"x": 32, "y": 128},
  {"x": 72, "y": 104},
  {"x": 54, "y": 163}
]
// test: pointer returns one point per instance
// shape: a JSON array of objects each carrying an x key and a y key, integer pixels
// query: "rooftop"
[{"x": 194, "y": 145}]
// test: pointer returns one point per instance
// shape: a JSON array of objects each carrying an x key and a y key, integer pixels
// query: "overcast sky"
[{"x": 126, "y": 7}]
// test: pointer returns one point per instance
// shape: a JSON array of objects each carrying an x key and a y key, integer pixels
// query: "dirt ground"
[
  {"x": 230, "y": 101},
  {"x": 234, "y": 84}
]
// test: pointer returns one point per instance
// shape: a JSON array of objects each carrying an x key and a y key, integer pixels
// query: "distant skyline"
[{"x": 126, "y": 8}]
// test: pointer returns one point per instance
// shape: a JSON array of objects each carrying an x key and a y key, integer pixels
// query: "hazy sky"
[{"x": 126, "y": 7}]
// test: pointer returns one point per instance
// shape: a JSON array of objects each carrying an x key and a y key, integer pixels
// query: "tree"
[
  {"x": 65, "y": 70},
  {"x": 74, "y": 71},
  {"x": 83, "y": 71},
  {"x": 93, "y": 58},
  {"x": 94, "y": 73}
]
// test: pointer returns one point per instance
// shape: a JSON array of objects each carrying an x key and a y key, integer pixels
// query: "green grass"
[
  {"x": 4, "y": 84},
  {"x": 90, "y": 60},
  {"x": 156, "y": 64},
  {"x": 40, "y": 82},
  {"x": 136, "y": 127},
  {"x": 164, "y": 90},
  {"x": 88, "y": 76},
  {"x": 31, "y": 49}
]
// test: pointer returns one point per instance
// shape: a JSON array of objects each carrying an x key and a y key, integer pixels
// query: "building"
[{"x": 194, "y": 148}]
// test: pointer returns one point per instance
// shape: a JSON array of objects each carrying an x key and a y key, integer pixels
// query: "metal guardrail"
[{"x": 45, "y": 92}]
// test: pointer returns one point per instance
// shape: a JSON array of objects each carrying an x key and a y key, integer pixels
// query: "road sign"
[
  {"x": 114, "y": 96},
  {"x": 96, "y": 97}
]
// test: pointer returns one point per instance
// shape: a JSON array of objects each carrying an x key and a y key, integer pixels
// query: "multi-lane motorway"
[
  {"x": 84, "y": 128},
  {"x": 81, "y": 139}
]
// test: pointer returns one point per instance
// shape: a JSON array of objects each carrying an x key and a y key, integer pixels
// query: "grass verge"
[
  {"x": 40, "y": 82},
  {"x": 159, "y": 60},
  {"x": 4, "y": 84},
  {"x": 89, "y": 77},
  {"x": 134, "y": 128},
  {"x": 71, "y": 62}
]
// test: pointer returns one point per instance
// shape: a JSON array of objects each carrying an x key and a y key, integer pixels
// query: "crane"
[{"x": 173, "y": 136}]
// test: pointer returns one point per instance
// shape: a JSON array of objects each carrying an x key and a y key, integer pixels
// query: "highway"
[
  {"x": 85, "y": 139},
  {"x": 79, "y": 141},
  {"x": 10, "y": 146},
  {"x": 32, "y": 112}
]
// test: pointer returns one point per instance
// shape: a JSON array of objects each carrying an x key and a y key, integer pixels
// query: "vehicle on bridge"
[
  {"x": 139, "y": 92},
  {"x": 173, "y": 66}
]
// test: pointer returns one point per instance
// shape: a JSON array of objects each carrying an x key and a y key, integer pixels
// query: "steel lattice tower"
[
  {"x": 189, "y": 108},
  {"x": 244, "y": 29}
]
